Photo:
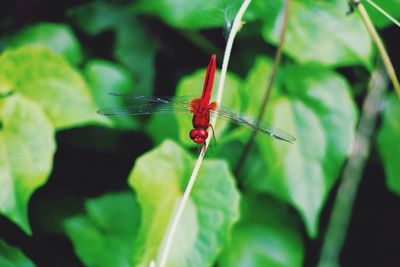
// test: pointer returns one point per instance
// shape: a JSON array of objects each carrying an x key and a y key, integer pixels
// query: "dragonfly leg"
[
  {"x": 213, "y": 133},
  {"x": 352, "y": 6},
  {"x": 211, "y": 148}
]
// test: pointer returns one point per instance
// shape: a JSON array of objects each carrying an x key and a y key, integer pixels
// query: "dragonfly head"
[{"x": 198, "y": 135}]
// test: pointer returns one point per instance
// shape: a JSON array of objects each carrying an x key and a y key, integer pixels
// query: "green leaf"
[
  {"x": 255, "y": 85},
  {"x": 49, "y": 80},
  {"x": 192, "y": 85},
  {"x": 191, "y": 14},
  {"x": 105, "y": 235},
  {"x": 318, "y": 110},
  {"x": 266, "y": 235},
  {"x": 133, "y": 47},
  {"x": 322, "y": 32},
  {"x": 105, "y": 77},
  {"x": 6, "y": 86},
  {"x": 162, "y": 127},
  {"x": 159, "y": 179},
  {"x": 13, "y": 257},
  {"x": 388, "y": 145},
  {"x": 390, "y": 6},
  {"x": 264, "y": 10},
  {"x": 57, "y": 37},
  {"x": 26, "y": 152}
]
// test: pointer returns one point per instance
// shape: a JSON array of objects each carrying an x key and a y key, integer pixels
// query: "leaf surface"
[
  {"x": 105, "y": 234},
  {"x": 133, "y": 46},
  {"x": 46, "y": 78},
  {"x": 191, "y": 14},
  {"x": 13, "y": 257},
  {"x": 388, "y": 145},
  {"x": 389, "y": 6},
  {"x": 321, "y": 32},
  {"x": 27, "y": 147},
  {"x": 57, "y": 37},
  {"x": 159, "y": 179},
  {"x": 105, "y": 77},
  {"x": 266, "y": 235},
  {"x": 318, "y": 110}
]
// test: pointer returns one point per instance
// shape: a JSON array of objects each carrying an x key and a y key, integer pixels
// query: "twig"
[
  {"x": 237, "y": 24},
  {"x": 271, "y": 79},
  {"x": 352, "y": 174},
  {"x": 387, "y": 15},
  {"x": 381, "y": 48}
]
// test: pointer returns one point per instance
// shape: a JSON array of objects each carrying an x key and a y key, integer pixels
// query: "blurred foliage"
[
  {"x": 321, "y": 37},
  {"x": 11, "y": 256},
  {"x": 47, "y": 79},
  {"x": 269, "y": 228},
  {"x": 102, "y": 77},
  {"x": 388, "y": 149},
  {"x": 57, "y": 37},
  {"x": 133, "y": 47},
  {"x": 57, "y": 71},
  {"x": 110, "y": 225},
  {"x": 27, "y": 149},
  {"x": 190, "y": 14}
]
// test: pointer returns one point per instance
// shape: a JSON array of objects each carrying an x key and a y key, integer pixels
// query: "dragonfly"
[{"x": 201, "y": 108}]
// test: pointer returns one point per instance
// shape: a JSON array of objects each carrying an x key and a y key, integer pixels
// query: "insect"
[{"x": 201, "y": 108}]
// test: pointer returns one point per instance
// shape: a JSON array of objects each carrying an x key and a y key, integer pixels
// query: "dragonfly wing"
[
  {"x": 155, "y": 99},
  {"x": 255, "y": 124},
  {"x": 142, "y": 105}
]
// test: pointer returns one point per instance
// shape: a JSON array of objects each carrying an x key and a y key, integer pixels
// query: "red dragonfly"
[{"x": 200, "y": 107}]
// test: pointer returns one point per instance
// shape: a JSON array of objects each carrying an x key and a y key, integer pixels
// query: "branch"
[
  {"x": 237, "y": 24},
  {"x": 352, "y": 174},
  {"x": 387, "y": 15},
  {"x": 271, "y": 79},
  {"x": 381, "y": 48}
]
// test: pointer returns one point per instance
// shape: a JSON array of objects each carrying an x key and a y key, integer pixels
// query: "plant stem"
[
  {"x": 381, "y": 48},
  {"x": 237, "y": 24},
  {"x": 391, "y": 18},
  {"x": 271, "y": 79},
  {"x": 352, "y": 174}
]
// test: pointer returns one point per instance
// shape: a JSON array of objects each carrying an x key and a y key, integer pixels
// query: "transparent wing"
[
  {"x": 142, "y": 105},
  {"x": 155, "y": 99},
  {"x": 255, "y": 124}
]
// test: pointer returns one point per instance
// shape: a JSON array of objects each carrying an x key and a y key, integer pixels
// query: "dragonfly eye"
[
  {"x": 202, "y": 133},
  {"x": 198, "y": 135}
]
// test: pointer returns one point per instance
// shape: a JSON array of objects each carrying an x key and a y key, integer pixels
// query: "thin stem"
[
  {"x": 236, "y": 26},
  {"x": 381, "y": 48},
  {"x": 237, "y": 23},
  {"x": 271, "y": 79},
  {"x": 384, "y": 12},
  {"x": 352, "y": 174}
]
